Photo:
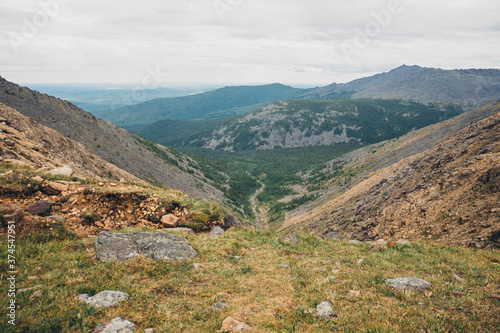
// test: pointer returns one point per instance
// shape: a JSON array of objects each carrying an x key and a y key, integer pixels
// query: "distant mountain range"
[
  {"x": 213, "y": 104},
  {"x": 468, "y": 88}
]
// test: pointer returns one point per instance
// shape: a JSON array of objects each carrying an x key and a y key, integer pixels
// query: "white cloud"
[{"x": 253, "y": 41}]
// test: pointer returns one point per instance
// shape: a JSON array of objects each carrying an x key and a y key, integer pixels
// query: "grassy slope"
[{"x": 173, "y": 297}]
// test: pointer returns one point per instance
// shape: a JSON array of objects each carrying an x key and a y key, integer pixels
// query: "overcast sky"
[{"x": 169, "y": 42}]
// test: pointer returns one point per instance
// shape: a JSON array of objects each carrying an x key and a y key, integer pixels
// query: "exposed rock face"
[
  {"x": 117, "y": 325},
  {"x": 408, "y": 283},
  {"x": 230, "y": 221},
  {"x": 40, "y": 208},
  {"x": 160, "y": 246},
  {"x": 104, "y": 299}
]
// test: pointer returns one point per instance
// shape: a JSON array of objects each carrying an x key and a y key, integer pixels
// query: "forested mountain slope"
[
  {"x": 302, "y": 123},
  {"x": 221, "y": 102}
]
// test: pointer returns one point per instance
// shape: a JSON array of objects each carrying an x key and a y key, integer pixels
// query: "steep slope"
[
  {"x": 468, "y": 88},
  {"x": 302, "y": 123},
  {"x": 213, "y": 104},
  {"x": 449, "y": 194},
  {"x": 24, "y": 141},
  {"x": 115, "y": 145}
]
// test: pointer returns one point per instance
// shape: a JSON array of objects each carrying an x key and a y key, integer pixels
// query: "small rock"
[
  {"x": 37, "y": 179},
  {"x": 11, "y": 213},
  {"x": 37, "y": 294},
  {"x": 354, "y": 293},
  {"x": 117, "y": 325},
  {"x": 41, "y": 208},
  {"x": 360, "y": 262},
  {"x": 408, "y": 283},
  {"x": 196, "y": 266},
  {"x": 57, "y": 218},
  {"x": 459, "y": 293},
  {"x": 402, "y": 242},
  {"x": 324, "y": 310},
  {"x": 53, "y": 188},
  {"x": 379, "y": 244},
  {"x": 148, "y": 330},
  {"x": 170, "y": 221},
  {"x": 332, "y": 235},
  {"x": 218, "y": 306},
  {"x": 285, "y": 264},
  {"x": 184, "y": 230},
  {"x": 231, "y": 221},
  {"x": 33, "y": 277},
  {"x": 65, "y": 171},
  {"x": 104, "y": 299},
  {"x": 216, "y": 232},
  {"x": 231, "y": 325},
  {"x": 353, "y": 241},
  {"x": 289, "y": 239},
  {"x": 458, "y": 278}
]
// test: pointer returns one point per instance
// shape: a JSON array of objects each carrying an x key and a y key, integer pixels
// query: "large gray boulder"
[
  {"x": 104, "y": 299},
  {"x": 408, "y": 283},
  {"x": 160, "y": 246}
]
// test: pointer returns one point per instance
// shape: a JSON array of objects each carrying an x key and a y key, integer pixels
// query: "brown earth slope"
[
  {"x": 24, "y": 141},
  {"x": 448, "y": 194}
]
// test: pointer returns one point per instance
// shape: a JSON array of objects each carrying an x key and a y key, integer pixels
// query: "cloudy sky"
[{"x": 171, "y": 42}]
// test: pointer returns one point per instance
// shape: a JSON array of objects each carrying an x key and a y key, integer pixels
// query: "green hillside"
[{"x": 218, "y": 103}]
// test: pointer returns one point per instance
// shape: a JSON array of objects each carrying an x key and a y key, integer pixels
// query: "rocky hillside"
[
  {"x": 25, "y": 142},
  {"x": 144, "y": 159},
  {"x": 468, "y": 88},
  {"x": 447, "y": 194},
  {"x": 303, "y": 123}
]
